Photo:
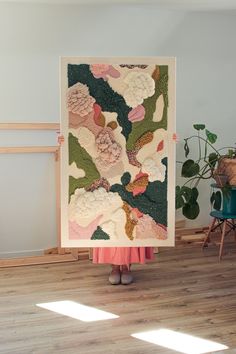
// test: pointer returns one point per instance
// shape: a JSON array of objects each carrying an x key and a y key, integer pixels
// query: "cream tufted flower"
[
  {"x": 140, "y": 86},
  {"x": 79, "y": 100},
  {"x": 156, "y": 172},
  {"x": 89, "y": 204}
]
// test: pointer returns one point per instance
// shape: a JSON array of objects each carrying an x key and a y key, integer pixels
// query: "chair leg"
[
  {"x": 222, "y": 239},
  {"x": 207, "y": 238},
  {"x": 234, "y": 228}
]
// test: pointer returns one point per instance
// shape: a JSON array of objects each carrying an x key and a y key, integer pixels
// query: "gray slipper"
[
  {"x": 126, "y": 277},
  {"x": 114, "y": 277}
]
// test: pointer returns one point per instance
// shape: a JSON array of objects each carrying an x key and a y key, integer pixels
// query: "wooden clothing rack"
[{"x": 56, "y": 254}]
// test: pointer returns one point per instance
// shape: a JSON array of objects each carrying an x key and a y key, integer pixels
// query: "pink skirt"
[{"x": 122, "y": 255}]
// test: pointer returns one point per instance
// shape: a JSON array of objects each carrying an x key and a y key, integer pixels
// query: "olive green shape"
[
  {"x": 83, "y": 161},
  {"x": 147, "y": 124}
]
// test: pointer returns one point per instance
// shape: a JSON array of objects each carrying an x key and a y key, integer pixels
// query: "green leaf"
[
  {"x": 211, "y": 136},
  {"x": 231, "y": 153},
  {"x": 212, "y": 159},
  {"x": 217, "y": 201},
  {"x": 183, "y": 195},
  {"x": 191, "y": 211},
  {"x": 179, "y": 201},
  {"x": 187, "y": 193},
  {"x": 190, "y": 169},
  {"x": 194, "y": 195},
  {"x": 186, "y": 148},
  {"x": 199, "y": 126}
]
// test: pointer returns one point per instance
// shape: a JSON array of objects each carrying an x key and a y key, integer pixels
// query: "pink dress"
[{"x": 122, "y": 255}]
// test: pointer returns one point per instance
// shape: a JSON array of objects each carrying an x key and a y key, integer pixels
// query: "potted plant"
[{"x": 211, "y": 162}]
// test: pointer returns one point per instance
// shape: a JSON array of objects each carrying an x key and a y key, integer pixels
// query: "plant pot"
[
  {"x": 227, "y": 167},
  {"x": 220, "y": 179},
  {"x": 229, "y": 202}
]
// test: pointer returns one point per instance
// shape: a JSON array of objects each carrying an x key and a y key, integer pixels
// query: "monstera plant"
[{"x": 210, "y": 163}]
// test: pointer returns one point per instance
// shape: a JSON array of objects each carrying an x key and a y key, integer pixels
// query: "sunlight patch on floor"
[
  {"x": 78, "y": 311},
  {"x": 184, "y": 343}
]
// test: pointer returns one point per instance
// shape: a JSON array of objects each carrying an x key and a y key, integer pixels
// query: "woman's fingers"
[
  {"x": 60, "y": 139},
  {"x": 175, "y": 137}
]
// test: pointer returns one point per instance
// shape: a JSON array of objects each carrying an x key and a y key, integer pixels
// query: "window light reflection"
[
  {"x": 184, "y": 343},
  {"x": 78, "y": 311}
]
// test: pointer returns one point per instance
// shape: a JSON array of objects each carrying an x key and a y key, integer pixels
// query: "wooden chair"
[{"x": 226, "y": 223}]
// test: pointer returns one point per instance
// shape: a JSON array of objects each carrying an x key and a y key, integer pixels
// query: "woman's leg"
[{"x": 121, "y": 258}]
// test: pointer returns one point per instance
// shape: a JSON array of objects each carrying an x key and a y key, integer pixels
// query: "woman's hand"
[
  {"x": 60, "y": 139},
  {"x": 175, "y": 137}
]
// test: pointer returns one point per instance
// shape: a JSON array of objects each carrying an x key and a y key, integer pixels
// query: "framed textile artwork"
[{"x": 118, "y": 158}]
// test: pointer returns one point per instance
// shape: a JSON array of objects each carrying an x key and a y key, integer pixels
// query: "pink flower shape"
[
  {"x": 136, "y": 114},
  {"x": 160, "y": 230},
  {"x": 148, "y": 228},
  {"x": 109, "y": 150},
  {"x": 79, "y": 100},
  {"x": 103, "y": 70},
  {"x": 78, "y": 232}
]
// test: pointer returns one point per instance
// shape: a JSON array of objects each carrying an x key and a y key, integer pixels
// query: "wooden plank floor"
[{"x": 184, "y": 290}]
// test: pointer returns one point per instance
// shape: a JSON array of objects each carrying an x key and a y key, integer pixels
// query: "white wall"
[{"x": 32, "y": 37}]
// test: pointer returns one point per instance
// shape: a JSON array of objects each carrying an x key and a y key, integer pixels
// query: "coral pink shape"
[
  {"x": 160, "y": 146},
  {"x": 113, "y": 72},
  {"x": 98, "y": 70},
  {"x": 136, "y": 114},
  {"x": 137, "y": 212},
  {"x": 97, "y": 111},
  {"x": 102, "y": 70},
  {"x": 140, "y": 175},
  {"x": 78, "y": 232},
  {"x": 138, "y": 190}
]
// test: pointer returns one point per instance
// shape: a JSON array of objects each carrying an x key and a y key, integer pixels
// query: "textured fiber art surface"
[{"x": 118, "y": 157}]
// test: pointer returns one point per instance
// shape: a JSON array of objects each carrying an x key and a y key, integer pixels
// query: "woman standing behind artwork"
[{"x": 121, "y": 258}]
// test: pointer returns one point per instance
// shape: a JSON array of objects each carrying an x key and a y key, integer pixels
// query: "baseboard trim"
[{"x": 20, "y": 254}]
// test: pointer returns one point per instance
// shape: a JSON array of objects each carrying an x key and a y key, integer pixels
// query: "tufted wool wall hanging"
[{"x": 118, "y": 158}]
